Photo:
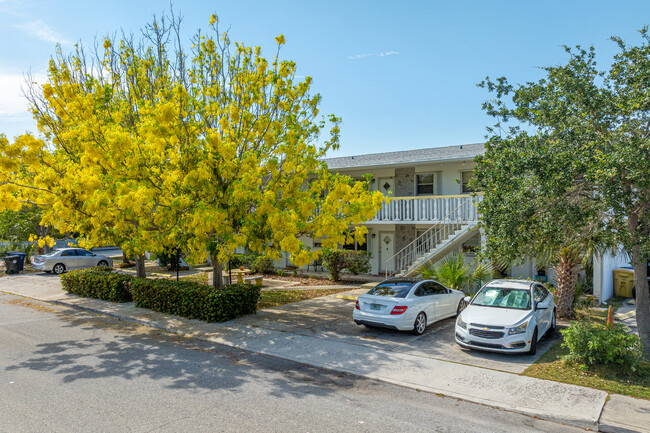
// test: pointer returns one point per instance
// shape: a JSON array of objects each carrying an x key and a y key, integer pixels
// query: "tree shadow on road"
[{"x": 109, "y": 348}]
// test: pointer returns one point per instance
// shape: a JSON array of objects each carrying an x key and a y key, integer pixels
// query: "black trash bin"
[
  {"x": 12, "y": 264},
  {"x": 22, "y": 258}
]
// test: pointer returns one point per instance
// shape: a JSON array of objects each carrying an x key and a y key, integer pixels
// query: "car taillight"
[
  {"x": 357, "y": 306},
  {"x": 398, "y": 309}
]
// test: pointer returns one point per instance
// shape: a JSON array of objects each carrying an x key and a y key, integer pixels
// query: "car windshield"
[
  {"x": 51, "y": 253},
  {"x": 393, "y": 289},
  {"x": 503, "y": 297}
]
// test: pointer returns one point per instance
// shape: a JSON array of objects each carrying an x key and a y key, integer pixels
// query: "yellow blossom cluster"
[{"x": 213, "y": 153}]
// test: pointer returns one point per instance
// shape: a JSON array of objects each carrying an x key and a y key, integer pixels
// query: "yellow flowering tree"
[{"x": 149, "y": 146}]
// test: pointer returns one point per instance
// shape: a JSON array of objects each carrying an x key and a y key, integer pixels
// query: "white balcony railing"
[{"x": 423, "y": 209}]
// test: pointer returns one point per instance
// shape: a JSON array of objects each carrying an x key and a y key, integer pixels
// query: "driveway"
[{"x": 330, "y": 317}]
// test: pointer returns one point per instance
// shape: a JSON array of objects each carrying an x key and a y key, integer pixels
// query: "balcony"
[{"x": 426, "y": 210}]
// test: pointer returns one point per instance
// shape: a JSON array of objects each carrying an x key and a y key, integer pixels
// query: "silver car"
[{"x": 65, "y": 259}]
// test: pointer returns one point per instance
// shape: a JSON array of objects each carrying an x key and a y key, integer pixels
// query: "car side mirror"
[
  {"x": 540, "y": 307},
  {"x": 466, "y": 299}
]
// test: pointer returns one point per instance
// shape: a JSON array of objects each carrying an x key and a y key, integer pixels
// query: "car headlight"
[
  {"x": 460, "y": 323},
  {"x": 518, "y": 329}
]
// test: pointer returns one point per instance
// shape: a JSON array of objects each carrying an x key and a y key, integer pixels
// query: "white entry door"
[
  {"x": 386, "y": 251},
  {"x": 385, "y": 185}
]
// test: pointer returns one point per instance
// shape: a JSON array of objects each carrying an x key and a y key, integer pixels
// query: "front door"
[
  {"x": 386, "y": 251},
  {"x": 385, "y": 185}
]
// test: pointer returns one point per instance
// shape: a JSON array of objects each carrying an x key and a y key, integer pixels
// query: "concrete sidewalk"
[{"x": 554, "y": 401}]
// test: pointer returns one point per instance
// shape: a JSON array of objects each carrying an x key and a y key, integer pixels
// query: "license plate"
[{"x": 375, "y": 306}]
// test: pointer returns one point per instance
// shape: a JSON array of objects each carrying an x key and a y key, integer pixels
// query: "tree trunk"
[
  {"x": 139, "y": 266},
  {"x": 640, "y": 263},
  {"x": 125, "y": 258},
  {"x": 217, "y": 269},
  {"x": 567, "y": 271},
  {"x": 642, "y": 299}
]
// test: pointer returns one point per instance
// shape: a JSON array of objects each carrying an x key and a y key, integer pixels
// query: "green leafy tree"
[
  {"x": 566, "y": 165},
  {"x": 17, "y": 227}
]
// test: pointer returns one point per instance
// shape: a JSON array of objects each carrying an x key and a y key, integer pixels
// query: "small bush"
[
  {"x": 247, "y": 260},
  {"x": 99, "y": 283},
  {"x": 592, "y": 344},
  {"x": 195, "y": 300},
  {"x": 358, "y": 262},
  {"x": 262, "y": 265},
  {"x": 170, "y": 259},
  {"x": 335, "y": 260}
]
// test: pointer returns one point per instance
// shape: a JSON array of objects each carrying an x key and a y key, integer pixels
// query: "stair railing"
[{"x": 435, "y": 235}]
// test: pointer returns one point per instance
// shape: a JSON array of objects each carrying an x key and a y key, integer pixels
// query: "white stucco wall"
[
  {"x": 449, "y": 174},
  {"x": 603, "y": 275}
]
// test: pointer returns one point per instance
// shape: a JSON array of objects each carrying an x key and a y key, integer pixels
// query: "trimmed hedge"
[
  {"x": 99, "y": 283},
  {"x": 195, "y": 300}
]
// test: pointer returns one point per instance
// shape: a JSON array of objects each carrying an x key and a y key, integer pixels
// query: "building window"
[
  {"x": 466, "y": 176},
  {"x": 356, "y": 246},
  {"x": 424, "y": 184}
]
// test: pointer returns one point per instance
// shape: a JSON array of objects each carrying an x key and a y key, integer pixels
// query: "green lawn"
[{"x": 273, "y": 298}]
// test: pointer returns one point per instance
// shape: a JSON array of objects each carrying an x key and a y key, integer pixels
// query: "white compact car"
[
  {"x": 507, "y": 316},
  {"x": 407, "y": 304},
  {"x": 65, "y": 259}
]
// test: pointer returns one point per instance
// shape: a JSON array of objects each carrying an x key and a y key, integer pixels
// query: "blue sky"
[{"x": 401, "y": 74}]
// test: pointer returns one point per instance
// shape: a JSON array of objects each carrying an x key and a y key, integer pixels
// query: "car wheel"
[
  {"x": 59, "y": 268},
  {"x": 461, "y": 306},
  {"x": 420, "y": 324},
  {"x": 102, "y": 263},
  {"x": 533, "y": 344},
  {"x": 551, "y": 329}
]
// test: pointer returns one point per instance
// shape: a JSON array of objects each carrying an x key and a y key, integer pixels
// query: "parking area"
[{"x": 331, "y": 318}]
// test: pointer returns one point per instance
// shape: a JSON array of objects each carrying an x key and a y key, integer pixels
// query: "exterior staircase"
[{"x": 441, "y": 239}]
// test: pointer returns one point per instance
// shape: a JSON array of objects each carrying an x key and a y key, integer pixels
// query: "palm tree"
[{"x": 455, "y": 274}]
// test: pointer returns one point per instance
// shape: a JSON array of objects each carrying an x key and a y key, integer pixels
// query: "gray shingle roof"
[{"x": 433, "y": 154}]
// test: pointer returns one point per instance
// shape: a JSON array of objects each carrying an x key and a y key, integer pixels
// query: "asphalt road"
[{"x": 62, "y": 370}]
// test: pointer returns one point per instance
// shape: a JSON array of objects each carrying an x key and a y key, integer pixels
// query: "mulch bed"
[{"x": 309, "y": 281}]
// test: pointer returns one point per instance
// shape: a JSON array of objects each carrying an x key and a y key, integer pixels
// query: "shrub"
[
  {"x": 195, "y": 300},
  {"x": 247, "y": 260},
  {"x": 100, "y": 283},
  {"x": 335, "y": 260},
  {"x": 262, "y": 265},
  {"x": 170, "y": 259},
  {"x": 592, "y": 344},
  {"x": 358, "y": 262}
]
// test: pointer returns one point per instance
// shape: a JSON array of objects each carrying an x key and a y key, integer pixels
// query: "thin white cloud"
[
  {"x": 13, "y": 103},
  {"x": 379, "y": 54},
  {"x": 42, "y": 31},
  {"x": 359, "y": 56}
]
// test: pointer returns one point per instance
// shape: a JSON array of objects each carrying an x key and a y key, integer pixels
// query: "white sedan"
[
  {"x": 65, "y": 259},
  {"x": 407, "y": 304},
  {"x": 507, "y": 316}
]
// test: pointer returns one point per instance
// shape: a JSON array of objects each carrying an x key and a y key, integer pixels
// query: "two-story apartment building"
[{"x": 431, "y": 212}]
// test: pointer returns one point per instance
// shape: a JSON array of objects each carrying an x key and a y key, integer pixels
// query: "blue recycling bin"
[{"x": 22, "y": 256}]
